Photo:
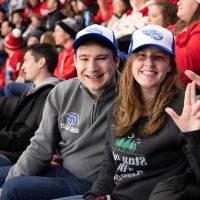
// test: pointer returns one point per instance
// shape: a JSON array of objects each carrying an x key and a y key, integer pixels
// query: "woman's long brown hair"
[{"x": 129, "y": 106}]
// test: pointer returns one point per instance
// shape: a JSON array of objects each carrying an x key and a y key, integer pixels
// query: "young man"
[
  {"x": 75, "y": 121},
  {"x": 39, "y": 63}
]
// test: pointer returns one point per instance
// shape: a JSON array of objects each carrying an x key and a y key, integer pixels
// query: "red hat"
[{"x": 14, "y": 40}]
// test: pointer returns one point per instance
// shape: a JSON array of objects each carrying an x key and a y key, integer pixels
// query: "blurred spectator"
[
  {"x": 74, "y": 7},
  {"x": 54, "y": 14},
  {"x": 104, "y": 12},
  {"x": 39, "y": 63},
  {"x": 4, "y": 4},
  {"x": 2, "y": 15},
  {"x": 20, "y": 85},
  {"x": 89, "y": 10},
  {"x": 129, "y": 22},
  {"x": 16, "y": 4},
  {"x": 33, "y": 37},
  {"x": 37, "y": 22},
  {"x": 64, "y": 34},
  {"x": 120, "y": 7},
  {"x": 6, "y": 28},
  {"x": 134, "y": 20},
  {"x": 83, "y": 8},
  {"x": 48, "y": 38},
  {"x": 18, "y": 19},
  {"x": 68, "y": 9},
  {"x": 162, "y": 13},
  {"x": 187, "y": 32},
  {"x": 12, "y": 44},
  {"x": 35, "y": 7}
]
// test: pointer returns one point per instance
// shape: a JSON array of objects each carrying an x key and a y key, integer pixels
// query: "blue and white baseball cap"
[
  {"x": 153, "y": 35},
  {"x": 99, "y": 33}
]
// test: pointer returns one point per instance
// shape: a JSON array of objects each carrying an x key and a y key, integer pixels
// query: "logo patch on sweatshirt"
[
  {"x": 71, "y": 123},
  {"x": 72, "y": 119}
]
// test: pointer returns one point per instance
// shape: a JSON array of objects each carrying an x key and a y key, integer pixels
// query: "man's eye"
[
  {"x": 83, "y": 59},
  {"x": 102, "y": 58}
]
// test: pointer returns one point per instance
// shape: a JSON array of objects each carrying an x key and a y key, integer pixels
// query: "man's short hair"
[{"x": 47, "y": 51}]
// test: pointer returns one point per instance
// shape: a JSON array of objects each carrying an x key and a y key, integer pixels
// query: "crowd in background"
[{"x": 27, "y": 22}]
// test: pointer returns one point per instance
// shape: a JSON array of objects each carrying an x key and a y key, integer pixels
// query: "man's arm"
[
  {"x": 39, "y": 153},
  {"x": 16, "y": 137}
]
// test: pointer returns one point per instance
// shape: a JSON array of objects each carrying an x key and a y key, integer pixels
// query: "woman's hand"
[
  {"x": 192, "y": 76},
  {"x": 189, "y": 120}
]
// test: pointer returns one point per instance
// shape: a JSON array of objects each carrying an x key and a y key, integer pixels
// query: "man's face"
[
  {"x": 32, "y": 40},
  {"x": 60, "y": 36},
  {"x": 5, "y": 28},
  {"x": 17, "y": 18},
  {"x": 51, "y": 4},
  {"x": 95, "y": 67},
  {"x": 30, "y": 67}
]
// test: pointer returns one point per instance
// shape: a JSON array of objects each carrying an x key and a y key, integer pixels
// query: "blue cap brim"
[
  {"x": 99, "y": 38},
  {"x": 156, "y": 45}
]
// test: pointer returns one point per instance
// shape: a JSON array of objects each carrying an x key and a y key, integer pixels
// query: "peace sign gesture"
[{"x": 189, "y": 120}]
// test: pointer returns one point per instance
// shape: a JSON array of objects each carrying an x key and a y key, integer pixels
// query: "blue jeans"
[
  {"x": 5, "y": 165},
  {"x": 77, "y": 197},
  {"x": 3, "y": 174},
  {"x": 56, "y": 182}
]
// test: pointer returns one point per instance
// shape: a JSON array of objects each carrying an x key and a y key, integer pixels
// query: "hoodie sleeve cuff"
[{"x": 192, "y": 137}]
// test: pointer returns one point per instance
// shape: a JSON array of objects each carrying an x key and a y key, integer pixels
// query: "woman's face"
[
  {"x": 81, "y": 6},
  {"x": 150, "y": 66},
  {"x": 186, "y": 9},
  {"x": 156, "y": 15},
  {"x": 119, "y": 7}
]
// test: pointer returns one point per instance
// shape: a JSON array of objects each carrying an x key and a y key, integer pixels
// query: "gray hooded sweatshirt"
[{"x": 74, "y": 123}]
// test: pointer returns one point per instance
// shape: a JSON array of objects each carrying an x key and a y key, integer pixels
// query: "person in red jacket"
[
  {"x": 13, "y": 46},
  {"x": 187, "y": 31},
  {"x": 105, "y": 11},
  {"x": 64, "y": 34},
  {"x": 35, "y": 7}
]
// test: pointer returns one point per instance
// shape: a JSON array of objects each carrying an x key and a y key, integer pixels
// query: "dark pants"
[{"x": 55, "y": 183}]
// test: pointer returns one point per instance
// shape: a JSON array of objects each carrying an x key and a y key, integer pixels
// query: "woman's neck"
[{"x": 148, "y": 98}]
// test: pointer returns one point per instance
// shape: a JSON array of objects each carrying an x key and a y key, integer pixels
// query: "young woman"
[
  {"x": 187, "y": 31},
  {"x": 162, "y": 13},
  {"x": 144, "y": 146}
]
